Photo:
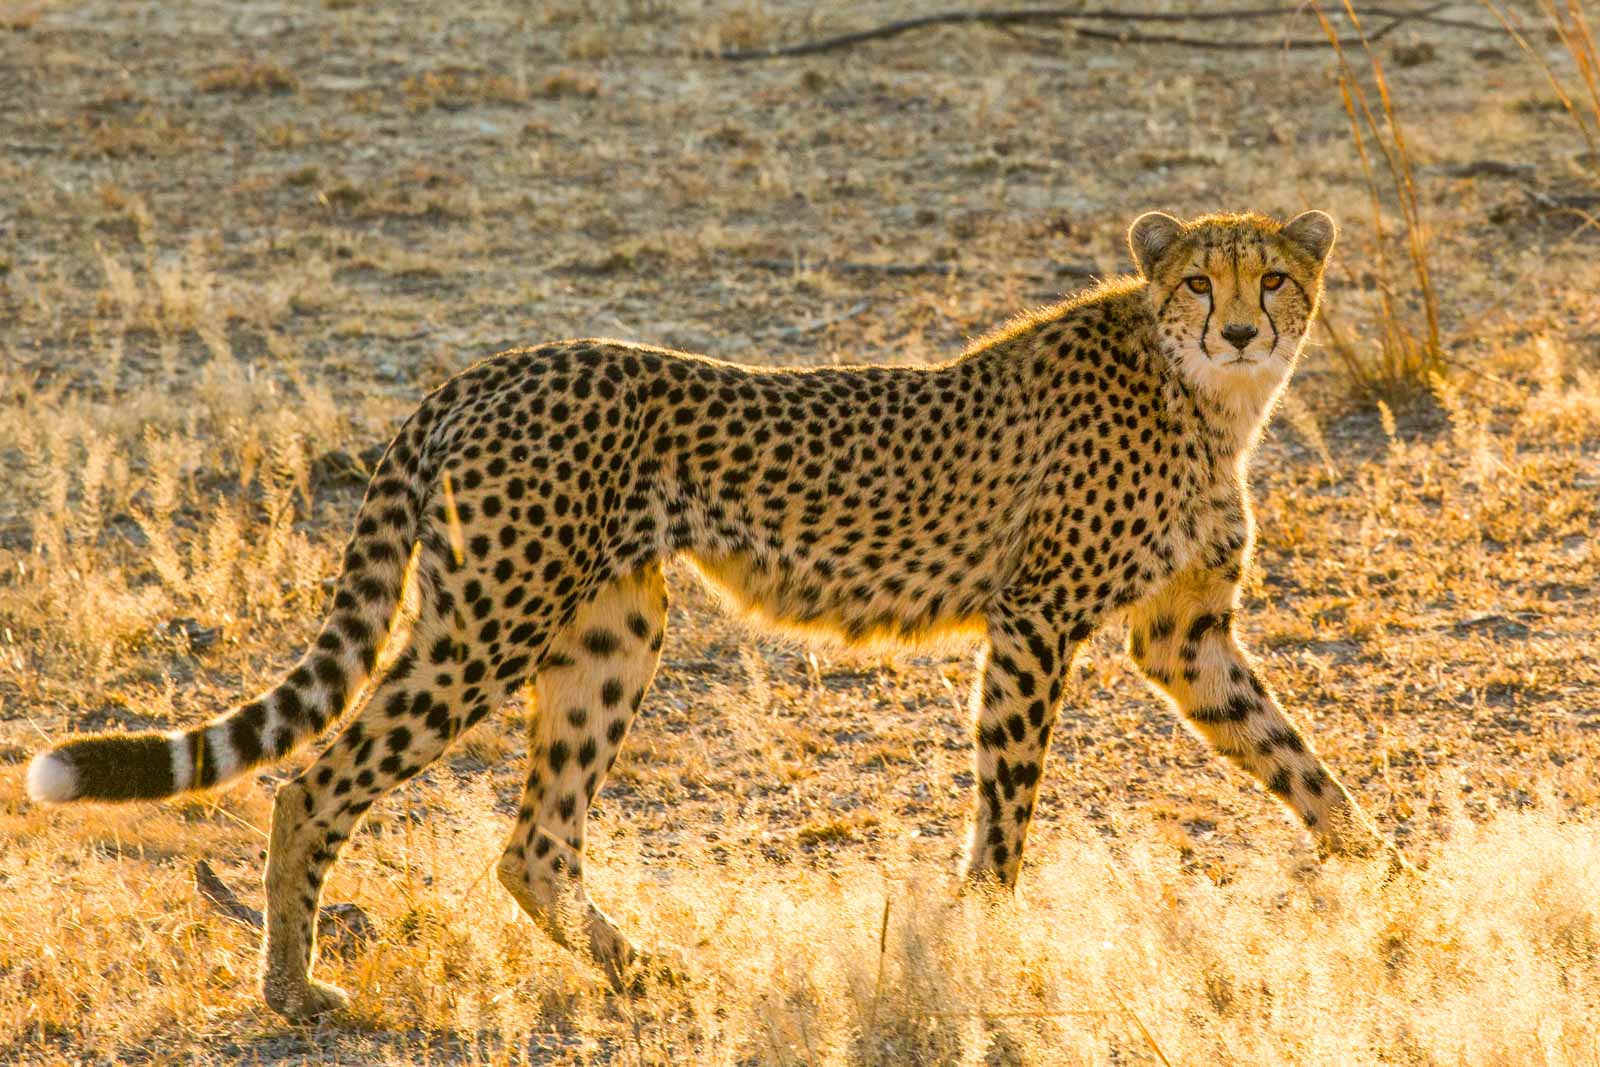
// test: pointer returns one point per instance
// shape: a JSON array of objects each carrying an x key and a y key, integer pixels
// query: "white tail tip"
[{"x": 51, "y": 779}]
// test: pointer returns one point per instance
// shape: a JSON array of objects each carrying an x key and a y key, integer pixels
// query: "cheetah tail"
[{"x": 315, "y": 693}]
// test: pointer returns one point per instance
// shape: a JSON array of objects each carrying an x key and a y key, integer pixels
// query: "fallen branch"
[
  {"x": 222, "y": 898},
  {"x": 1395, "y": 17},
  {"x": 345, "y": 926},
  {"x": 906, "y": 270},
  {"x": 1577, "y": 203},
  {"x": 1291, "y": 44}
]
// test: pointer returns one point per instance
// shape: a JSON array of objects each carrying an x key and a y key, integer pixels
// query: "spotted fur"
[{"x": 1086, "y": 462}]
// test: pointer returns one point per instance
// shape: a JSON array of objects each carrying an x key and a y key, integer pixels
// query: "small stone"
[{"x": 1414, "y": 55}]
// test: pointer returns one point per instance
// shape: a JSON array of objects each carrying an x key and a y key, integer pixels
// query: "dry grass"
[
  {"x": 1576, "y": 87},
  {"x": 216, "y": 302},
  {"x": 1112, "y": 953},
  {"x": 1406, "y": 352},
  {"x": 247, "y": 77}
]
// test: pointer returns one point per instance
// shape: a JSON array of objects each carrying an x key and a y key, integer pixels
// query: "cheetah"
[{"x": 1085, "y": 463}]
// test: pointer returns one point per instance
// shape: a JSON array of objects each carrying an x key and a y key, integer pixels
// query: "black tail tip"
[{"x": 109, "y": 767}]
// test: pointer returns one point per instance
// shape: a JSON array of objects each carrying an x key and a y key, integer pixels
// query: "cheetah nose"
[{"x": 1239, "y": 335}]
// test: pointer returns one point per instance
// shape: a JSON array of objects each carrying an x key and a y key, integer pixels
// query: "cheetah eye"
[
  {"x": 1198, "y": 283},
  {"x": 1272, "y": 280}
]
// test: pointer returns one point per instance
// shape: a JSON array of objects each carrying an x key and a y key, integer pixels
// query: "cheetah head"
[{"x": 1233, "y": 297}]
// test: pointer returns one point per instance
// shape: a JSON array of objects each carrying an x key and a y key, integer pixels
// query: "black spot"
[
  {"x": 290, "y": 709},
  {"x": 600, "y": 642},
  {"x": 1287, "y": 739},
  {"x": 1237, "y": 709},
  {"x": 244, "y": 732},
  {"x": 512, "y": 668},
  {"x": 328, "y": 672}
]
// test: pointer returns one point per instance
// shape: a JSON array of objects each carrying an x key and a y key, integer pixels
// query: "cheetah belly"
[{"x": 856, "y": 607}]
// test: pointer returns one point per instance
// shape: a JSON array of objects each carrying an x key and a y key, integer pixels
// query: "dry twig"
[
  {"x": 346, "y": 926},
  {"x": 1396, "y": 17},
  {"x": 906, "y": 270}
]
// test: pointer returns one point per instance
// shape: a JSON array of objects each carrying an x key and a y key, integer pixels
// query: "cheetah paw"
[
  {"x": 303, "y": 1001},
  {"x": 643, "y": 970}
]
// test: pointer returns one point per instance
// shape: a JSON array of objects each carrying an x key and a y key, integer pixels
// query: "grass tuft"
[
  {"x": 248, "y": 77},
  {"x": 1396, "y": 349}
]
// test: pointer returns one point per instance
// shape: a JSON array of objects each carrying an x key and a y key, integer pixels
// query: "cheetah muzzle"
[{"x": 1082, "y": 463}]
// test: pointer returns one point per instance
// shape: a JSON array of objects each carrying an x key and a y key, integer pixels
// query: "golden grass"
[
  {"x": 248, "y": 77},
  {"x": 1569, "y": 22},
  {"x": 1407, "y": 351},
  {"x": 1112, "y": 952},
  {"x": 201, "y": 343}
]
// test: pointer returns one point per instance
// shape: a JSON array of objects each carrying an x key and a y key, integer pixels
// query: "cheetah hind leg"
[
  {"x": 588, "y": 688},
  {"x": 413, "y": 715}
]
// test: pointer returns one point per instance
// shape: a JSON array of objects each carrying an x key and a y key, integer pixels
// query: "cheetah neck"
[{"x": 1229, "y": 413}]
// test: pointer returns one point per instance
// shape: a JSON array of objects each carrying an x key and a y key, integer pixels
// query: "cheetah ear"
[
  {"x": 1149, "y": 238},
  {"x": 1314, "y": 232}
]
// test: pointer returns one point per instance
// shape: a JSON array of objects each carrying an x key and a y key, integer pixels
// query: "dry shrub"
[
  {"x": 454, "y": 88},
  {"x": 173, "y": 293},
  {"x": 151, "y": 133},
  {"x": 249, "y": 77},
  {"x": 105, "y": 482},
  {"x": 571, "y": 84},
  {"x": 20, "y": 18},
  {"x": 1569, "y": 23},
  {"x": 1395, "y": 347},
  {"x": 743, "y": 26},
  {"x": 1565, "y": 406}
]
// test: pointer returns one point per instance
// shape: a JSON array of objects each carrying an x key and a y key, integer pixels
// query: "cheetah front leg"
[
  {"x": 1015, "y": 703},
  {"x": 1182, "y": 641},
  {"x": 587, "y": 691}
]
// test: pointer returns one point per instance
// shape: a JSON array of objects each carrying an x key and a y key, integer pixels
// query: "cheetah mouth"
[{"x": 1249, "y": 359}]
